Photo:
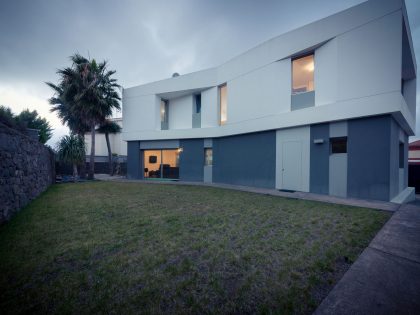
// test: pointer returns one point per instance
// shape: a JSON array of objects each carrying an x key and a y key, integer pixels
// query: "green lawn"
[{"x": 123, "y": 248}]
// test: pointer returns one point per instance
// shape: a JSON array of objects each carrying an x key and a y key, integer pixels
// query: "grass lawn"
[{"x": 123, "y": 248}]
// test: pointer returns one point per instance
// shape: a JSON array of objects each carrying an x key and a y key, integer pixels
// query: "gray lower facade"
[{"x": 360, "y": 158}]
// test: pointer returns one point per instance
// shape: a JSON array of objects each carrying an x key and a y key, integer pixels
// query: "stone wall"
[{"x": 26, "y": 169}]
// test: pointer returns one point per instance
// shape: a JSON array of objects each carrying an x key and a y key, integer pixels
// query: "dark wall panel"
[
  {"x": 320, "y": 159},
  {"x": 369, "y": 158},
  {"x": 191, "y": 161},
  {"x": 248, "y": 160},
  {"x": 134, "y": 160}
]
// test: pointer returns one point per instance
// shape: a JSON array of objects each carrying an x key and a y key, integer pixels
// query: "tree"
[
  {"x": 30, "y": 119},
  {"x": 71, "y": 149},
  {"x": 26, "y": 119},
  {"x": 61, "y": 104},
  {"x": 109, "y": 127},
  {"x": 90, "y": 91}
]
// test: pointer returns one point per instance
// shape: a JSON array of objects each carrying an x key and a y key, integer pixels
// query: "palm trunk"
[
  {"x": 83, "y": 164},
  {"x": 92, "y": 153},
  {"x": 74, "y": 172},
  {"x": 108, "y": 145}
]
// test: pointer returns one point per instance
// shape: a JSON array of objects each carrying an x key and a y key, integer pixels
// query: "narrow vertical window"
[
  {"x": 303, "y": 74},
  {"x": 208, "y": 157},
  {"x": 223, "y": 104},
  {"x": 198, "y": 104},
  {"x": 164, "y": 114},
  {"x": 401, "y": 155}
]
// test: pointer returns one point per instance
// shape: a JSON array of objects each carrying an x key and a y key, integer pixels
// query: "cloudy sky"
[{"x": 143, "y": 40}]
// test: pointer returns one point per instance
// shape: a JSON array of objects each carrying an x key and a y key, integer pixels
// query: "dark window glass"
[
  {"x": 338, "y": 145},
  {"x": 198, "y": 104},
  {"x": 401, "y": 153}
]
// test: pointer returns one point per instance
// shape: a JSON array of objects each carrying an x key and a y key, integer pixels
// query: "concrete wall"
[
  {"x": 369, "y": 157},
  {"x": 319, "y": 165},
  {"x": 358, "y": 63},
  {"x": 191, "y": 160},
  {"x": 248, "y": 160},
  {"x": 134, "y": 160},
  {"x": 27, "y": 168},
  {"x": 180, "y": 112}
]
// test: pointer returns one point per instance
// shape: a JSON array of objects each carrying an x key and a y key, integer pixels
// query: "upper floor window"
[
  {"x": 223, "y": 104},
  {"x": 198, "y": 104},
  {"x": 164, "y": 108},
  {"x": 303, "y": 74}
]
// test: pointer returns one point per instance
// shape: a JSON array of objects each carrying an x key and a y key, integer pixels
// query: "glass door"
[
  {"x": 161, "y": 164},
  {"x": 152, "y": 163}
]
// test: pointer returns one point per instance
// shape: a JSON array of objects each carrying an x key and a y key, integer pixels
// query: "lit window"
[
  {"x": 303, "y": 74},
  {"x": 208, "y": 157},
  {"x": 223, "y": 103},
  {"x": 163, "y": 111},
  {"x": 338, "y": 145}
]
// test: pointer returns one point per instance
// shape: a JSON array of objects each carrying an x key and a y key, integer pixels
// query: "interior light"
[{"x": 310, "y": 66}]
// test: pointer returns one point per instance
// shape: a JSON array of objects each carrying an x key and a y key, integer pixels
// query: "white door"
[{"x": 292, "y": 165}]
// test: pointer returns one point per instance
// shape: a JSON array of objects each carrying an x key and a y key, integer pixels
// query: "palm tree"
[
  {"x": 91, "y": 93},
  {"x": 71, "y": 149},
  {"x": 61, "y": 103},
  {"x": 106, "y": 128}
]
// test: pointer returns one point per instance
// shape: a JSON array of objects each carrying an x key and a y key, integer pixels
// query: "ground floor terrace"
[{"x": 363, "y": 158}]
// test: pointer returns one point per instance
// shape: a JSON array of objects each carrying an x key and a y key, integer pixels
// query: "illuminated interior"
[
  {"x": 303, "y": 74},
  {"x": 223, "y": 104},
  {"x": 163, "y": 111},
  {"x": 161, "y": 163}
]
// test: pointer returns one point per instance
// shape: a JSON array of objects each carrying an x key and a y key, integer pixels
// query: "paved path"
[
  {"x": 380, "y": 205},
  {"x": 385, "y": 279}
]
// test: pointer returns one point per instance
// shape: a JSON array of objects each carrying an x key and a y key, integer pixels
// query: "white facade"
[
  {"x": 301, "y": 112},
  {"x": 118, "y": 146},
  {"x": 358, "y": 66}
]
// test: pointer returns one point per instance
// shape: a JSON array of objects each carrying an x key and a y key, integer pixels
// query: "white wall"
[
  {"x": 260, "y": 93},
  {"x": 357, "y": 73},
  {"x": 140, "y": 113},
  {"x": 180, "y": 112},
  {"x": 326, "y": 72},
  {"x": 369, "y": 58},
  {"x": 209, "y": 109}
]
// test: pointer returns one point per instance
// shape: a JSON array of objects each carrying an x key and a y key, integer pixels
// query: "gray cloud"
[{"x": 143, "y": 40}]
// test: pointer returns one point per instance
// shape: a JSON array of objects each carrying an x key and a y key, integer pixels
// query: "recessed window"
[
  {"x": 198, "y": 104},
  {"x": 338, "y": 145},
  {"x": 401, "y": 155},
  {"x": 223, "y": 104},
  {"x": 303, "y": 74},
  {"x": 208, "y": 157},
  {"x": 164, "y": 107}
]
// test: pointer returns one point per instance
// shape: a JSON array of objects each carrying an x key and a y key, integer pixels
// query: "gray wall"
[
  {"x": 369, "y": 154},
  {"x": 27, "y": 168},
  {"x": 134, "y": 160},
  {"x": 248, "y": 160},
  {"x": 319, "y": 170},
  {"x": 191, "y": 161}
]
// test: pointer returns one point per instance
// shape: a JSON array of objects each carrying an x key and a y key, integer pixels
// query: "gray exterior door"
[{"x": 292, "y": 165}]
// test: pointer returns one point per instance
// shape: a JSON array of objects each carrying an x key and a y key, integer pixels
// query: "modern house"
[{"x": 326, "y": 108}]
